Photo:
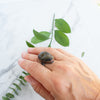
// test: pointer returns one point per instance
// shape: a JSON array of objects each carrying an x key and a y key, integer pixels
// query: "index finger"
[
  {"x": 57, "y": 55},
  {"x": 38, "y": 71}
]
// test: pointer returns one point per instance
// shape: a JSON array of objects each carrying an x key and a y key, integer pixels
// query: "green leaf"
[
  {"x": 29, "y": 44},
  {"x": 25, "y": 73},
  {"x": 5, "y": 98},
  {"x": 14, "y": 90},
  {"x": 36, "y": 40},
  {"x": 17, "y": 86},
  {"x": 40, "y": 36},
  {"x": 10, "y": 95},
  {"x": 21, "y": 77},
  {"x": 61, "y": 38},
  {"x": 21, "y": 82},
  {"x": 45, "y": 33},
  {"x": 83, "y": 53},
  {"x": 62, "y": 25}
]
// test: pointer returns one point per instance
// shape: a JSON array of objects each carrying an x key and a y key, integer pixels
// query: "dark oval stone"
[{"x": 45, "y": 57}]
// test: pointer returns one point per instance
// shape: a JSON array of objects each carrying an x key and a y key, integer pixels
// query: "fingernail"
[
  {"x": 20, "y": 61},
  {"x": 30, "y": 80},
  {"x": 30, "y": 49},
  {"x": 23, "y": 54}
]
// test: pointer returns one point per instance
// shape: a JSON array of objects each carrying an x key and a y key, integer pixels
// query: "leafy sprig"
[
  {"x": 59, "y": 30},
  {"x": 16, "y": 88}
]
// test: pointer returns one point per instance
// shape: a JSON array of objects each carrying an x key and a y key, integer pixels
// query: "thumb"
[{"x": 38, "y": 87}]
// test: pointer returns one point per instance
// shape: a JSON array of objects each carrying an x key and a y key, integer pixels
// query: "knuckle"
[
  {"x": 28, "y": 56},
  {"x": 58, "y": 49},
  {"x": 31, "y": 66},
  {"x": 61, "y": 66},
  {"x": 35, "y": 64},
  {"x": 68, "y": 89},
  {"x": 58, "y": 85},
  {"x": 67, "y": 69},
  {"x": 64, "y": 58},
  {"x": 50, "y": 49},
  {"x": 71, "y": 62},
  {"x": 74, "y": 63},
  {"x": 35, "y": 58},
  {"x": 56, "y": 82}
]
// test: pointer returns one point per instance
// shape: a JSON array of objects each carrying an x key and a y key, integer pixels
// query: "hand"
[{"x": 68, "y": 78}]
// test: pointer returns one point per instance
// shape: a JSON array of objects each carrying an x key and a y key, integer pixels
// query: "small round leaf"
[
  {"x": 39, "y": 35},
  {"x": 10, "y": 95},
  {"x": 17, "y": 86},
  {"x": 36, "y": 40},
  {"x": 61, "y": 38},
  {"x": 29, "y": 44},
  {"x": 5, "y": 98},
  {"x": 62, "y": 25}
]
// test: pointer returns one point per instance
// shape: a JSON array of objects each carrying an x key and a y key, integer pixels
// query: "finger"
[
  {"x": 57, "y": 55},
  {"x": 31, "y": 57},
  {"x": 38, "y": 71},
  {"x": 64, "y": 52},
  {"x": 38, "y": 87}
]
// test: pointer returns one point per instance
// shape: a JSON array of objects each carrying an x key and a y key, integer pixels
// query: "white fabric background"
[{"x": 19, "y": 17}]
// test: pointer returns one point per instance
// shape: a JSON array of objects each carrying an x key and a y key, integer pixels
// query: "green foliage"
[
  {"x": 21, "y": 82},
  {"x": 29, "y": 44},
  {"x": 82, "y": 54},
  {"x": 61, "y": 38},
  {"x": 40, "y": 36},
  {"x": 14, "y": 90},
  {"x": 21, "y": 77},
  {"x": 5, "y": 98},
  {"x": 9, "y": 95},
  {"x": 25, "y": 73},
  {"x": 17, "y": 86},
  {"x": 62, "y": 25},
  {"x": 35, "y": 40}
]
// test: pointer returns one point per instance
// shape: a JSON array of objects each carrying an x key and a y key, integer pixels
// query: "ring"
[{"x": 45, "y": 58}]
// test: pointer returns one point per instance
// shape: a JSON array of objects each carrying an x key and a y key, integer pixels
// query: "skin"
[{"x": 68, "y": 78}]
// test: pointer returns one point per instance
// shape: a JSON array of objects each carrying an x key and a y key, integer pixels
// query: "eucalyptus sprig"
[
  {"x": 16, "y": 88},
  {"x": 59, "y": 30}
]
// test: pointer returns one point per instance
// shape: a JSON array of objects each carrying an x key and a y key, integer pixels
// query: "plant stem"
[{"x": 52, "y": 31}]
